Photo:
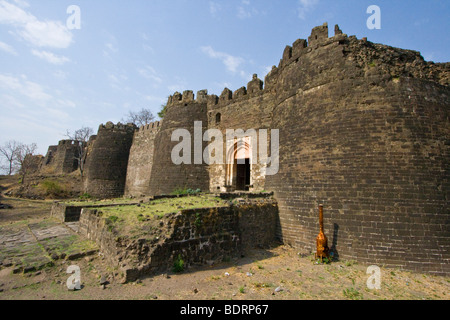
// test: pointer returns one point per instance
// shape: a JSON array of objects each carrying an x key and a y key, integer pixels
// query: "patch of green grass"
[
  {"x": 242, "y": 289},
  {"x": 352, "y": 294},
  {"x": 350, "y": 263},
  {"x": 95, "y": 202},
  {"x": 85, "y": 196},
  {"x": 53, "y": 188},
  {"x": 185, "y": 191},
  {"x": 113, "y": 219},
  {"x": 140, "y": 218},
  {"x": 263, "y": 285}
]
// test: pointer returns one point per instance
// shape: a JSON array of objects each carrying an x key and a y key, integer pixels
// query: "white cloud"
[
  {"x": 59, "y": 74},
  {"x": 305, "y": 6},
  {"x": 149, "y": 73},
  {"x": 52, "y": 34},
  {"x": 111, "y": 46},
  {"x": 179, "y": 85},
  {"x": 66, "y": 103},
  {"x": 245, "y": 11},
  {"x": 232, "y": 63},
  {"x": 12, "y": 103},
  {"x": 24, "y": 87},
  {"x": 50, "y": 57},
  {"x": 214, "y": 8},
  {"x": 7, "y": 48},
  {"x": 22, "y": 3}
]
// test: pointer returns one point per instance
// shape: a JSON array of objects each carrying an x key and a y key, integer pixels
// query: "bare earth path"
[{"x": 278, "y": 273}]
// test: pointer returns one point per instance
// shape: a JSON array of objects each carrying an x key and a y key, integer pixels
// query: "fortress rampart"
[
  {"x": 107, "y": 160},
  {"x": 364, "y": 130}
]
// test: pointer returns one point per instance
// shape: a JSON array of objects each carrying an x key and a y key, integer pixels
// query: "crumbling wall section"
[{"x": 197, "y": 236}]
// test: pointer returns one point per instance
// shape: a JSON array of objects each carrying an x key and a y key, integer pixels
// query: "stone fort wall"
[
  {"x": 62, "y": 158},
  {"x": 107, "y": 160},
  {"x": 140, "y": 161},
  {"x": 364, "y": 130},
  {"x": 166, "y": 177}
]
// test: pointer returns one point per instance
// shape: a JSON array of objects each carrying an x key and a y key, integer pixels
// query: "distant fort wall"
[{"x": 62, "y": 158}]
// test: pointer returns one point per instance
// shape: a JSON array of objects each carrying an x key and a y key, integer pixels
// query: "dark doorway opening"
[{"x": 243, "y": 174}]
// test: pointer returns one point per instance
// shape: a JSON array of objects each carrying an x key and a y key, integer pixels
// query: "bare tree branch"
[
  {"x": 140, "y": 118},
  {"x": 82, "y": 136},
  {"x": 25, "y": 158},
  {"x": 9, "y": 152}
]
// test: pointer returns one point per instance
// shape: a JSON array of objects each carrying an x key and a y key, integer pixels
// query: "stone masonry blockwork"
[{"x": 364, "y": 130}]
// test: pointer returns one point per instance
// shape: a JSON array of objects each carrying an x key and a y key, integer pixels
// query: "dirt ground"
[{"x": 279, "y": 273}]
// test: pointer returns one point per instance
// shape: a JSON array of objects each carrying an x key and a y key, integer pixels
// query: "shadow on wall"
[{"x": 333, "y": 249}]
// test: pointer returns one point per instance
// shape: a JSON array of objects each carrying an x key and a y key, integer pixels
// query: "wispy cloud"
[
  {"x": 246, "y": 10},
  {"x": 50, "y": 57},
  {"x": 18, "y": 92},
  {"x": 7, "y": 48},
  {"x": 305, "y": 6},
  {"x": 24, "y": 87},
  {"x": 22, "y": 3},
  {"x": 111, "y": 46},
  {"x": 48, "y": 33},
  {"x": 214, "y": 8},
  {"x": 178, "y": 85},
  {"x": 149, "y": 73},
  {"x": 232, "y": 63}
]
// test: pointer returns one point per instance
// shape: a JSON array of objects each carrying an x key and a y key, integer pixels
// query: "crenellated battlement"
[
  {"x": 254, "y": 87},
  {"x": 68, "y": 143},
  {"x": 188, "y": 97},
  {"x": 319, "y": 37},
  {"x": 151, "y": 127},
  {"x": 117, "y": 127}
]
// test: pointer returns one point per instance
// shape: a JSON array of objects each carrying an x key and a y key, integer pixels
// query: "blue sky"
[{"x": 129, "y": 55}]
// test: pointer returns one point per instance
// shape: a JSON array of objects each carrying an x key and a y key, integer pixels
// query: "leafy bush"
[{"x": 178, "y": 264}]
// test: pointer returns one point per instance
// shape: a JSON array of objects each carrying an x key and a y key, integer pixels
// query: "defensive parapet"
[
  {"x": 254, "y": 87},
  {"x": 140, "y": 161},
  {"x": 183, "y": 110},
  {"x": 107, "y": 160},
  {"x": 187, "y": 97},
  {"x": 362, "y": 130}
]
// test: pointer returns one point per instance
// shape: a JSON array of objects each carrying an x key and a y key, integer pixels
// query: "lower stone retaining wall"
[
  {"x": 197, "y": 236},
  {"x": 71, "y": 213}
]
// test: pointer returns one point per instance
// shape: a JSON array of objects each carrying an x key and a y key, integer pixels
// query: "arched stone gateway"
[{"x": 239, "y": 166}]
